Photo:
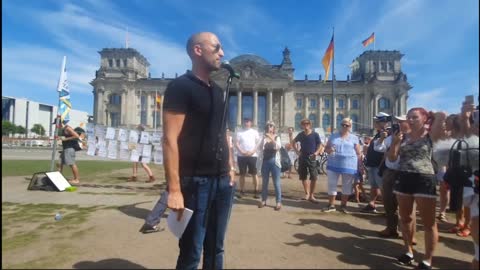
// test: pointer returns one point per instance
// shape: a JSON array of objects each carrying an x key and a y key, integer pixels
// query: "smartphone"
[{"x": 469, "y": 99}]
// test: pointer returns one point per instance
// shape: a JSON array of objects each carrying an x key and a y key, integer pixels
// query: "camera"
[{"x": 395, "y": 128}]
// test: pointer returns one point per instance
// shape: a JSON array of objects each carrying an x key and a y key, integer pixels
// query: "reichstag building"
[{"x": 124, "y": 93}]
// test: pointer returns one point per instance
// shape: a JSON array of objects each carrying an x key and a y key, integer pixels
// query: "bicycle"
[{"x": 321, "y": 163}]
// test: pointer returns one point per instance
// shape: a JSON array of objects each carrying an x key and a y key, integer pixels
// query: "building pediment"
[{"x": 252, "y": 71}]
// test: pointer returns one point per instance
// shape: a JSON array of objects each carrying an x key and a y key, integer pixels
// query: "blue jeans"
[
  {"x": 267, "y": 167},
  {"x": 201, "y": 233},
  {"x": 155, "y": 215}
]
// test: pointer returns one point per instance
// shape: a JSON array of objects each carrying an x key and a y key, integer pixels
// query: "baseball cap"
[
  {"x": 402, "y": 117},
  {"x": 381, "y": 117}
]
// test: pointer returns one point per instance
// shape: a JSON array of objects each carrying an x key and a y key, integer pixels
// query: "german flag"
[
  {"x": 327, "y": 59},
  {"x": 158, "y": 101},
  {"x": 369, "y": 40}
]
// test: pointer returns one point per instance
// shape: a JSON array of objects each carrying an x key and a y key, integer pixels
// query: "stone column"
[
  {"x": 334, "y": 116},
  {"x": 305, "y": 106},
  {"x": 348, "y": 106},
  {"x": 149, "y": 109},
  {"x": 255, "y": 108},
  {"x": 269, "y": 104},
  {"x": 319, "y": 114},
  {"x": 123, "y": 110},
  {"x": 282, "y": 123},
  {"x": 239, "y": 108},
  {"x": 160, "y": 115}
]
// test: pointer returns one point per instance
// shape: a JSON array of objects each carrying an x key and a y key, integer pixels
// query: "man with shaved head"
[{"x": 197, "y": 179}]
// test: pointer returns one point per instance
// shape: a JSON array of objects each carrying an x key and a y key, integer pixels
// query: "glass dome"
[{"x": 249, "y": 57}]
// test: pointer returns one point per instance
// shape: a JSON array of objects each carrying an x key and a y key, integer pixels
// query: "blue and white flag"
[{"x": 64, "y": 105}]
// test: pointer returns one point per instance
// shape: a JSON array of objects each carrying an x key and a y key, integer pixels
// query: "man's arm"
[
  {"x": 73, "y": 135},
  {"x": 172, "y": 126},
  {"x": 320, "y": 146},
  {"x": 231, "y": 164}
]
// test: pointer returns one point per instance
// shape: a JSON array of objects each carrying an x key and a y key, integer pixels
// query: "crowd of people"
[{"x": 405, "y": 162}]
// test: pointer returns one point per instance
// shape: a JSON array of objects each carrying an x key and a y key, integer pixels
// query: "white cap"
[
  {"x": 402, "y": 117},
  {"x": 381, "y": 116}
]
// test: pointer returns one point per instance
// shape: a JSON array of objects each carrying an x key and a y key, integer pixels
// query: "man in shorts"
[
  {"x": 247, "y": 143},
  {"x": 310, "y": 147}
]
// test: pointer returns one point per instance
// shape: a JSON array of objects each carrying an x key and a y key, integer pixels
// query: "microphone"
[{"x": 226, "y": 65}]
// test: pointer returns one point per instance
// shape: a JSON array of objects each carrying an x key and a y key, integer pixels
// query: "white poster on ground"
[
  {"x": 133, "y": 136},
  {"x": 144, "y": 137},
  {"x": 112, "y": 149},
  {"x": 122, "y": 135},
  {"x": 156, "y": 138}
]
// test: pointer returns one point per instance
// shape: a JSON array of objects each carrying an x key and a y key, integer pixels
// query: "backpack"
[
  {"x": 285, "y": 160},
  {"x": 459, "y": 169},
  {"x": 40, "y": 181}
]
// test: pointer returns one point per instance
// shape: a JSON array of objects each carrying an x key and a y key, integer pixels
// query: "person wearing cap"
[
  {"x": 374, "y": 159},
  {"x": 344, "y": 159},
  {"x": 69, "y": 138},
  {"x": 271, "y": 164},
  {"x": 247, "y": 143},
  {"x": 391, "y": 168},
  {"x": 310, "y": 147}
]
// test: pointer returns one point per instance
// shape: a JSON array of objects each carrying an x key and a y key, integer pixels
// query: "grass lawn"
[{"x": 89, "y": 170}]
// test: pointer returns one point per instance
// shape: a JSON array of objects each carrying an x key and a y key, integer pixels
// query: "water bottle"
[{"x": 58, "y": 216}]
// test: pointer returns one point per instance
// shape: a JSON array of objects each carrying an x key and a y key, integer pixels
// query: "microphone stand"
[{"x": 218, "y": 155}]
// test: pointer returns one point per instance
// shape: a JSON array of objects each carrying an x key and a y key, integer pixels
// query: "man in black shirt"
[
  {"x": 197, "y": 180},
  {"x": 311, "y": 147}
]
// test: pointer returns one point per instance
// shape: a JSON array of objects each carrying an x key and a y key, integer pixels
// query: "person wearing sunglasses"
[
  {"x": 197, "y": 177},
  {"x": 310, "y": 147},
  {"x": 344, "y": 159}
]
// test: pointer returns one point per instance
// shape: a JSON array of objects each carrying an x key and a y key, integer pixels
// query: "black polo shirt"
[{"x": 198, "y": 138}]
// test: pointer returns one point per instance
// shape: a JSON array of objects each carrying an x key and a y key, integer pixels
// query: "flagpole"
[
  {"x": 57, "y": 119},
  {"x": 374, "y": 40},
  {"x": 332, "y": 125},
  {"x": 156, "y": 111}
]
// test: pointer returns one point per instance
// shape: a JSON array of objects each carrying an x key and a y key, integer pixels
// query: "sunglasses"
[{"x": 345, "y": 125}]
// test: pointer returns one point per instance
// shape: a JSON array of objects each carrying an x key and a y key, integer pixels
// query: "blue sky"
[{"x": 439, "y": 39}]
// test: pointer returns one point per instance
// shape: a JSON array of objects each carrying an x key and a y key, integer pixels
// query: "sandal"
[
  {"x": 464, "y": 232},
  {"x": 132, "y": 179},
  {"x": 278, "y": 207},
  {"x": 150, "y": 179},
  {"x": 262, "y": 204},
  {"x": 456, "y": 228}
]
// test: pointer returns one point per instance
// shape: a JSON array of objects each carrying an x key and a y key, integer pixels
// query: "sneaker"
[
  {"x": 147, "y": 228},
  {"x": 423, "y": 266},
  {"x": 329, "y": 208},
  {"x": 369, "y": 209},
  {"x": 343, "y": 209},
  {"x": 405, "y": 259},
  {"x": 442, "y": 217}
]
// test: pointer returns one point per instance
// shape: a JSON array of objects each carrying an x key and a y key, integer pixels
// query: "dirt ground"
[{"x": 298, "y": 236}]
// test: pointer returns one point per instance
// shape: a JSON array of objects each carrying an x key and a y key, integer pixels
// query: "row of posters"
[{"x": 124, "y": 144}]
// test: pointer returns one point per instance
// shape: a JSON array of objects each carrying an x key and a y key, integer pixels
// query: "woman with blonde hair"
[
  {"x": 344, "y": 159},
  {"x": 271, "y": 164}
]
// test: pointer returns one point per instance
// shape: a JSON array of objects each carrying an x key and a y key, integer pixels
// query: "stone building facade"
[{"x": 125, "y": 94}]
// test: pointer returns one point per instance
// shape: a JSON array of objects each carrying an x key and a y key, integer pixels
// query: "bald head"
[{"x": 198, "y": 38}]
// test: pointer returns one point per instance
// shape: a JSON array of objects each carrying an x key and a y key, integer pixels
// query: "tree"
[
  {"x": 7, "y": 128},
  {"x": 20, "y": 130},
  {"x": 38, "y": 129}
]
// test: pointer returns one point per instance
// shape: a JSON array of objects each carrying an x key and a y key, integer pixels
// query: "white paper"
[
  {"x": 58, "y": 180},
  {"x": 147, "y": 150},
  {"x": 91, "y": 148},
  {"x": 178, "y": 227},
  {"x": 123, "y": 145},
  {"x": 133, "y": 136},
  {"x": 102, "y": 148},
  {"x": 110, "y": 133},
  {"x": 158, "y": 155},
  {"x": 112, "y": 149},
  {"x": 144, "y": 137},
  {"x": 122, "y": 135},
  {"x": 124, "y": 154},
  {"x": 90, "y": 130},
  {"x": 100, "y": 131},
  {"x": 156, "y": 138}
]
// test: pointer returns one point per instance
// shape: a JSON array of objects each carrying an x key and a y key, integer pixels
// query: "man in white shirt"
[{"x": 247, "y": 142}]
